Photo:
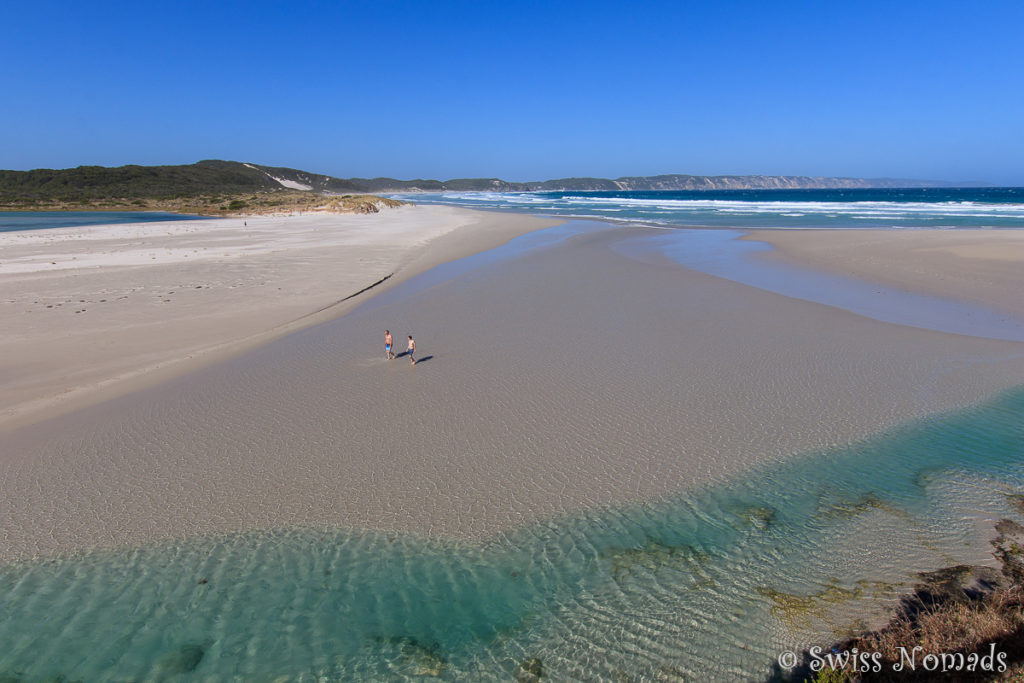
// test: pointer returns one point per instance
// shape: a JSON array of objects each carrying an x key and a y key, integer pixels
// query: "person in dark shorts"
[{"x": 412, "y": 349}]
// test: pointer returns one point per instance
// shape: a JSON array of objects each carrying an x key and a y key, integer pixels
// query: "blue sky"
[{"x": 521, "y": 91}]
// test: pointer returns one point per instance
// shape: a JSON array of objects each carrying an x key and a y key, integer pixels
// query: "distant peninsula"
[{"x": 214, "y": 187}]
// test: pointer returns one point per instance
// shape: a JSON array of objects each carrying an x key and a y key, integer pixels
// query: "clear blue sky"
[{"x": 522, "y": 91}]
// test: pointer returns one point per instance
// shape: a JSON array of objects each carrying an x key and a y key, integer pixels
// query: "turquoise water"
[
  {"x": 983, "y": 207},
  {"x": 41, "y": 220},
  {"x": 712, "y": 584}
]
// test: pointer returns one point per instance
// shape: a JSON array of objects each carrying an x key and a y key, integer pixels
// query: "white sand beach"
[
  {"x": 563, "y": 378},
  {"x": 91, "y": 312}
]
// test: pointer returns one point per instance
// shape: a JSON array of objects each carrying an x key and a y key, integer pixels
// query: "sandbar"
[
  {"x": 557, "y": 379},
  {"x": 977, "y": 266},
  {"x": 91, "y": 312}
]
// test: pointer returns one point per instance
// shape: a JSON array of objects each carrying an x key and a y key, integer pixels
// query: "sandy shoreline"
[
  {"x": 95, "y": 311},
  {"x": 559, "y": 379},
  {"x": 980, "y": 267}
]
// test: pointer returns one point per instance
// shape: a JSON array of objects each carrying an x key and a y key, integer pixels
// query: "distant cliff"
[
  {"x": 721, "y": 182},
  {"x": 231, "y": 178},
  {"x": 657, "y": 182},
  {"x": 764, "y": 182}
]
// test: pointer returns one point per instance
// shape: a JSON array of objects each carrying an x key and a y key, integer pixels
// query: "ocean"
[{"x": 989, "y": 207}]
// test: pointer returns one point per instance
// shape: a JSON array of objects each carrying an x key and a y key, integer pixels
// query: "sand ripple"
[
  {"x": 712, "y": 584},
  {"x": 552, "y": 381}
]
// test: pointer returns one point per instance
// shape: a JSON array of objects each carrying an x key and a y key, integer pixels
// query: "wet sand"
[
  {"x": 981, "y": 267},
  {"x": 563, "y": 378},
  {"x": 91, "y": 312}
]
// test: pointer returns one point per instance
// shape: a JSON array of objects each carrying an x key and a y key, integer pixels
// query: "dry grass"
[
  {"x": 950, "y": 626},
  {"x": 955, "y": 611}
]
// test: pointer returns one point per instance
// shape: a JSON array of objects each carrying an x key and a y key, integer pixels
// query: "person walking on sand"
[
  {"x": 388, "y": 342},
  {"x": 412, "y": 349}
]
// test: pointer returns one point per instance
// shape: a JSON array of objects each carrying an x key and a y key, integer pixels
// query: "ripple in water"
[{"x": 712, "y": 584}]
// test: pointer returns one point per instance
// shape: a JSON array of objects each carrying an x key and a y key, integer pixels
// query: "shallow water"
[
  {"x": 11, "y": 221},
  {"x": 713, "y": 584},
  {"x": 723, "y": 253},
  {"x": 514, "y": 248}
]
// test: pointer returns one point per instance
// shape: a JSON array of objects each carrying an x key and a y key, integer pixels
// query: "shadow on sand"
[{"x": 404, "y": 354}]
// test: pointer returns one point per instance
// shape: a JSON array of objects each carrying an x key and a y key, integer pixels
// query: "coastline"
[
  {"x": 567, "y": 379},
  {"x": 716, "y": 582},
  {"x": 590, "y": 422},
  {"x": 976, "y": 266},
  {"x": 100, "y": 311}
]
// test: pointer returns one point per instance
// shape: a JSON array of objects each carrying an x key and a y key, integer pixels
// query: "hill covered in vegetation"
[
  {"x": 222, "y": 182},
  {"x": 214, "y": 188},
  {"x": 150, "y": 182}
]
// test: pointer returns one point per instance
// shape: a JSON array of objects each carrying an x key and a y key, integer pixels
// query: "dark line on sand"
[
  {"x": 350, "y": 296},
  {"x": 364, "y": 289}
]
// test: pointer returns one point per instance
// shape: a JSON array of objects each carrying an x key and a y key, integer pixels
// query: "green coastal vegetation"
[
  {"x": 209, "y": 188},
  {"x": 215, "y": 204},
  {"x": 215, "y": 187}
]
